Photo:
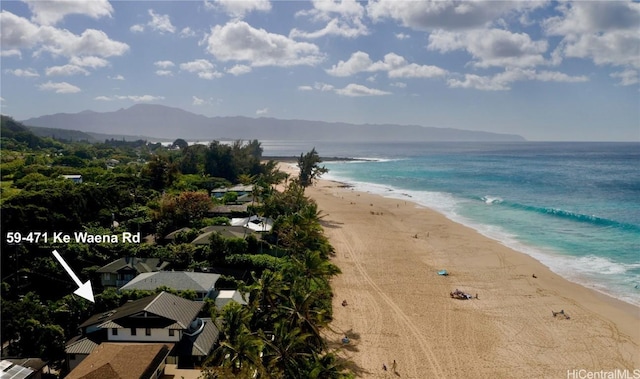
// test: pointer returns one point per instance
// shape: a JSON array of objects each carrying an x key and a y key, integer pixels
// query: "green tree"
[{"x": 310, "y": 169}]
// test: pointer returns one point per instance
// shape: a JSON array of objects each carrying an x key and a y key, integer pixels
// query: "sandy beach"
[{"x": 400, "y": 309}]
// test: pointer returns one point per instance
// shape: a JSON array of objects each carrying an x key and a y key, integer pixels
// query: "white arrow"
[{"x": 84, "y": 290}]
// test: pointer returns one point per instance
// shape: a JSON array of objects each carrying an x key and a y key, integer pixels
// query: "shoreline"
[{"x": 389, "y": 251}]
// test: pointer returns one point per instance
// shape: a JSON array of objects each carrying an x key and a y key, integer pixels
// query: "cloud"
[
  {"x": 187, "y": 32},
  {"x": 239, "y": 69},
  {"x": 262, "y": 112},
  {"x": 502, "y": 81},
  {"x": 134, "y": 98},
  {"x": 137, "y": 28},
  {"x": 237, "y": 8},
  {"x": 164, "y": 73},
  {"x": 116, "y": 77},
  {"x": 202, "y": 67},
  {"x": 11, "y": 53},
  {"x": 627, "y": 77},
  {"x": 343, "y": 18},
  {"x": 305, "y": 88},
  {"x": 20, "y": 33},
  {"x": 61, "y": 87},
  {"x": 160, "y": 23},
  {"x": 50, "y": 12},
  {"x": 399, "y": 84},
  {"x": 239, "y": 41},
  {"x": 164, "y": 64},
  {"x": 357, "y": 90},
  {"x": 198, "y": 101},
  {"x": 395, "y": 66},
  {"x": 66, "y": 70},
  {"x": 491, "y": 47},
  {"x": 89, "y": 61},
  {"x": 402, "y": 36},
  {"x": 24, "y": 73},
  {"x": 446, "y": 14},
  {"x": 605, "y": 32}
]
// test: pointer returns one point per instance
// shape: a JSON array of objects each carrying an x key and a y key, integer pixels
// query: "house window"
[
  {"x": 147, "y": 332},
  {"x": 133, "y": 331},
  {"x": 171, "y": 332},
  {"x": 107, "y": 276},
  {"x": 114, "y": 331}
]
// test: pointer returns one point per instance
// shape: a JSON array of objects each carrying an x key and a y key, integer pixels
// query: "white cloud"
[
  {"x": 11, "y": 53},
  {"x": 402, "y": 36},
  {"x": 239, "y": 41},
  {"x": 399, "y": 84},
  {"x": 50, "y": 12},
  {"x": 197, "y": 101},
  {"x": 324, "y": 87},
  {"x": 446, "y": 14},
  {"x": 491, "y": 47},
  {"x": 202, "y": 67},
  {"x": 134, "y": 98},
  {"x": 627, "y": 77},
  {"x": 117, "y": 77},
  {"x": 305, "y": 88},
  {"x": 164, "y": 64},
  {"x": 239, "y": 69},
  {"x": 137, "y": 28},
  {"x": 160, "y": 23},
  {"x": 164, "y": 73},
  {"x": 357, "y": 90},
  {"x": 25, "y": 73},
  {"x": 606, "y": 32},
  {"x": 239, "y": 9},
  {"x": 60, "y": 87},
  {"x": 19, "y": 33},
  {"x": 262, "y": 112},
  {"x": 187, "y": 32},
  {"x": 89, "y": 61},
  {"x": 66, "y": 70},
  {"x": 343, "y": 18},
  {"x": 395, "y": 66},
  {"x": 502, "y": 81}
]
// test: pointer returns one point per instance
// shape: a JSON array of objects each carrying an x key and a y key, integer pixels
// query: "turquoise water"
[{"x": 573, "y": 206}]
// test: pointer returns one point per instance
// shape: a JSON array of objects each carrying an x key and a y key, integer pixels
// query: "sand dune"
[{"x": 399, "y": 309}]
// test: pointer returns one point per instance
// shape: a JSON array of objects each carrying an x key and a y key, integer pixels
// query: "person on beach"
[{"x": 395, "y": 366}]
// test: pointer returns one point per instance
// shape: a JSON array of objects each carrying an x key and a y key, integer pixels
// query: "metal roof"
[
  {"x": 139, "y": 264},
  {"x": 177, "y": 280}
]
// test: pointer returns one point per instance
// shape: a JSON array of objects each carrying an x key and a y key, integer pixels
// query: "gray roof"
[
  {"x": 177, "y": 280},
  {"x": 174, "y": 234},
  {"x": 225, "y": 231},
  {"x": 139, "y": 264},
  {"x": 80, "y": 346},
  {"x": 180, "y": 311},
  {"x": 200, "y": 344}
]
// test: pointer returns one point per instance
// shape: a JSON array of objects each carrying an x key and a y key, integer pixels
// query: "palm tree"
[{"x": 286, "y": 351}]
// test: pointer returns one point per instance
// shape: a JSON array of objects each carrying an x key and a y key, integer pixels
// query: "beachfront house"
[
  {"x": 74, "y": 178},
  {"x": 224, "y": 297},
  {"x": 202, "y": 283},
  {"x": 160, "y": 318},
  {"x": 241, "y": 190},
  {"x": 122, "y": 271},
  {"x": 256, "y": 223}
]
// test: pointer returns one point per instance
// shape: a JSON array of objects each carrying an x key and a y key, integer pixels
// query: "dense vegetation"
[{"x": 151, "y": 189}]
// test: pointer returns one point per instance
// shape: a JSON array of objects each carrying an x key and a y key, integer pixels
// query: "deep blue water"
[{"x": 573, "y": 206}]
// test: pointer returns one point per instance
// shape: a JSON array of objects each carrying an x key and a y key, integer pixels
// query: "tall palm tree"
[{"x": 286, "y": 351}]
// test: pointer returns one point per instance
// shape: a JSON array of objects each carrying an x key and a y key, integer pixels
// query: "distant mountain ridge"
[{"x": 169, "y": 123}]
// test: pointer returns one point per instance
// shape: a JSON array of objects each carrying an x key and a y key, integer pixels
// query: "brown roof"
[{"x": 122, "y": 361}]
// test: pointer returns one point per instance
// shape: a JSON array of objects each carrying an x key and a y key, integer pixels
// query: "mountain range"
[{"x": 166, "y": 122}]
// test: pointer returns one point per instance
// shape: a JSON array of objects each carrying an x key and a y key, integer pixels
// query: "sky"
[{"x": 552, "y": 71}]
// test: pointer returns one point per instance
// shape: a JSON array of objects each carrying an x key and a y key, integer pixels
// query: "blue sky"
[{"x": 544, "y": 70}]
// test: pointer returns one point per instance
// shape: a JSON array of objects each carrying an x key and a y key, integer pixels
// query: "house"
[
  {"x": 241, "y": 190},
  {"x": 200, "y": 282},
  {"x": 226, "y": 296},
  {"x": 74, "y": 178},
  {"x": 21, "y": 368},
  {"x": 124, "y": 361},
  {"x": 120, "y": 272},
  {"x": 255, "y": 223},
  {"x": 225, "y": 231},
  {"x": 160, "y": 318}
]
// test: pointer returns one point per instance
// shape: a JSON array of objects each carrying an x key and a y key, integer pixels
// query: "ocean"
[{"x": 575, "y": 207}]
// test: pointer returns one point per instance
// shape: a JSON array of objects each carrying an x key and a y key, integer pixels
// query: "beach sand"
[{"x": 399, "y": 309}]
